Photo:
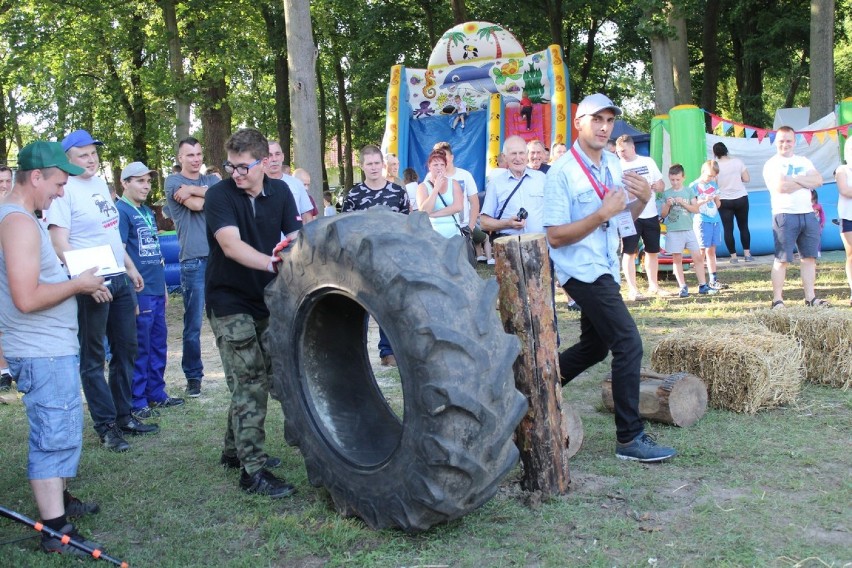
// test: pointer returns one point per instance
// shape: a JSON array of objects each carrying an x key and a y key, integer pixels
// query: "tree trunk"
[
  {"x": 526, "y": 307},
  {"x": 429, "y": 20},
  {"x": 4, "y": 133},
  {"x": 276, "y": 37},
  {"x": 459, "y": 11},
  {"x": 588, "y": 57},
  {"x": 182, "y": 101},
  {"x": 679, "y": 398},
  {"x": 822, "y": 58},
  {"x": 215, "y": 116},
  {"x": 554, "y": 17},
  {"x": 749, "y": 75},
  {"x": 301, "y": 59},
  {"x": 796, "y": 80},
  {"x": 323, "y": 124},
  {"x": 664, "y": 88},
  {"x": 712, "y": 65},
  {"x": 680, "y": 58},
  {"x": 346, "y": 118}
]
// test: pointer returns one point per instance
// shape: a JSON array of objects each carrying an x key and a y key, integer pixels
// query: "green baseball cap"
[{"x": 40, "y": 155}]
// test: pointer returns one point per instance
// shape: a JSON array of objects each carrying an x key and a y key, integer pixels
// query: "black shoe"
[
  {"x": 233, "y": 462},
  {"x": 264, "y": 483},
  {"x": 136, "y": 428},
  {"x": 53, "y": 544},
  {"x": 113, "y": 440},
  {"x": 76, "y": 508},
  {"x": 171, "y": 402},
  {"x": 193, "y": 388},
  {"x": 5, "y": 382},
  {"x": 144, "y": 413}
]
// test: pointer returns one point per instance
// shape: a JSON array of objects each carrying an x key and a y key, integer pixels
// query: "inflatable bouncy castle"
[{"x": 486, "y": 67}]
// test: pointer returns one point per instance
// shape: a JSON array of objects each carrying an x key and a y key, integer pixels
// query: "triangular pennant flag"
[
  {"x": 771, "y": 135},
  {"x": 761, "y": 134},
  {"x": 726, "y": 126},
  {"x": 749, "y": 132},
  {"x": 799, "y": 138},
  {"x": 714, "y": 121},
  {"x": 844, "y": 130},
  {"x": 833, "y": 135},
  {"x": 808, "y": 135},
  {"x": 820, "y": 136},
  {"x": 738, "y": 130}
]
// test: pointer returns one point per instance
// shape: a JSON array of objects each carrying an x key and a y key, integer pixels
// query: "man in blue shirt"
[{"x": 588, "y": 202}]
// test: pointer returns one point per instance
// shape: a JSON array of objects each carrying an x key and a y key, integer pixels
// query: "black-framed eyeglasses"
[{"x": 242, "y": 170}]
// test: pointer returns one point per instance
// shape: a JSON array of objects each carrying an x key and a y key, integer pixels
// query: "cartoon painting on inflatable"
[{"x": 486, "y": 67}]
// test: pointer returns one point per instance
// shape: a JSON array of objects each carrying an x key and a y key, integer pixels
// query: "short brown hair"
[
  {"x": 445, "y": 146},
  {"x": 248, "y": 140}
]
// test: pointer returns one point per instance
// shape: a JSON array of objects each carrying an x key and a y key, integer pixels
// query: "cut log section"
[
  {"x": 679, "y": 398},
  {"x": 526, "y": 308}
]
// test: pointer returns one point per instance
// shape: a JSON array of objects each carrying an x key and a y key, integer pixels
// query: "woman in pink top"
[{"x": 732, "y": 178}]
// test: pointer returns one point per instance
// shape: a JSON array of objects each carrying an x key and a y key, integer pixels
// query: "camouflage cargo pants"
[{"x": 248, "y": 370}]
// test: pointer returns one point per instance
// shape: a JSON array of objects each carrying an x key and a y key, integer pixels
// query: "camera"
[{"x": 522, "y": 214}]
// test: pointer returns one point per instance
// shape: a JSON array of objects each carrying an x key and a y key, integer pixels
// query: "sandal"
[
  {"x": 817, "y": 303},
  {"x": 777, "y": 304}
]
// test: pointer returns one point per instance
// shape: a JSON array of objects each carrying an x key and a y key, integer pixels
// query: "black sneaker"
[
  {"x": 171, "y": 402},
  {"x": 233, "y": 462},
  {"x": 144, "y": 413},
  {"x": 53, "y": 544},
  {"x": 76, "y": 508},
  {"x": 5, "y": 382},
  {"x": 264, "y": 483},
  {"x": 193, "y": 388},
  {"x": 136, "y": 428},
  {"x": 113, "y": 440}
]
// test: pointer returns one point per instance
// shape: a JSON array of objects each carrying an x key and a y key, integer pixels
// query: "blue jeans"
[
  {"x": 51, "y": 388},
  {"x": 606, "y": 325},
  {"x": 192, "y": 285},
  {"x": 109, "y": 402},
  {"x": 149, "y": 387}
]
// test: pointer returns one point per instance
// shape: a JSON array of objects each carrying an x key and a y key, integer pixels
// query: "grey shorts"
[{"x": 793, "y": 230}]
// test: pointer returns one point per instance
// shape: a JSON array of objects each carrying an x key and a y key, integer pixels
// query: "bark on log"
[
  {"x": 526, "y": 307},
  {"x": 679, "y": 398},
  {"x": 572, "y": 429}
]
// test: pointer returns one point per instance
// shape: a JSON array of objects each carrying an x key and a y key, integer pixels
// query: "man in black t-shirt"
[
  {"x": 376, "y": 190},
  {"x": 246, "y": 216}
]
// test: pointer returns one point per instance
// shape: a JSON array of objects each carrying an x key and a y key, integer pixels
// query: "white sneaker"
[
  {"x": 491, "y": 261},
  {"x": 480, "y": 258}
]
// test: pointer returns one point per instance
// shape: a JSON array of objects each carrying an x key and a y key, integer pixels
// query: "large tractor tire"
[{"x": 447, "y": 453}]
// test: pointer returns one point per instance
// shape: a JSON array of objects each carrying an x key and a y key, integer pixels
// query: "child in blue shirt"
[{"x": 708, "y": 223}]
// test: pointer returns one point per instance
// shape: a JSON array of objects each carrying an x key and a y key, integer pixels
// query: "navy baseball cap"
[
  {"x": 40, "y": 155},
  {"x": 77, "y": 139}
]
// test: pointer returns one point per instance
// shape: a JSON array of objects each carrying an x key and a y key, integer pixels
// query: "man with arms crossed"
[
  {"x": 583, "y": 207},
  {"x": 38, "y": 319},
  {"x": 185, "y": 192},
  {"x": 790, "y": 179},
  {"x": 246, "y": 216}
]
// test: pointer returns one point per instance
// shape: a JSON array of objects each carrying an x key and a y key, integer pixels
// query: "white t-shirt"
[
  {"x": 411, "y": 190},
  {"x": 730, "y": 178},
  {"x": 468, "y": 186},
  {"x": 300, "y": 194},
  {"x": 89, "y": 214},
  {"x": 647, "y": 168},
  {"x": 844, "y": 204},
  {"x": 797, "y": 202}
]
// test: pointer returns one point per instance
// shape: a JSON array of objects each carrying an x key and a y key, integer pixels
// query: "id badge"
[{"x": 624, "y": 222}]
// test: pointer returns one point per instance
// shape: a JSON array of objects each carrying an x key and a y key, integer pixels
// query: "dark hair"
[
  {"x": 189, "y": 141},
  {"x": 5, "y": 168},
  {"x": 371, "y": 150},
  {"x": 814, "y": 196},
  {"x": 444, "y": 146},
  {"x": 409, "y": 175},
  {"x": 436, "y": 155},
  {"x": 675, "y": 169},
  {"x": 248, "y": 140},
  {"x": 720, "y": 150},
  {"x": 786, "y": 129}
]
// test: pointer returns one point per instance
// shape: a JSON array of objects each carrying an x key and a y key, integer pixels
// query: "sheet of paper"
[{"x": 80, "y": 260}]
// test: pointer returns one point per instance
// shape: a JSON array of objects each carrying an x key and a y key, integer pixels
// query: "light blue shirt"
[
  {"x": 530, "y": 196},
  {"x": 569, "y": 196}
]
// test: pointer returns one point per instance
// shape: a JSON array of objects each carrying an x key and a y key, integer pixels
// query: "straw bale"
[
  {"x": 826, "y": 338},
  {"x": 746, "y": 367}
]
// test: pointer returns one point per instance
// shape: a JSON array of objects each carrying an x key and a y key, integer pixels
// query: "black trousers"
[
  {"x": 607, "y": 326},
  {"x": 729, "y": 210}
]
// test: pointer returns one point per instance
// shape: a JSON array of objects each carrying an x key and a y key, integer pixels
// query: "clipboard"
[{"x": 79, "y": 260}]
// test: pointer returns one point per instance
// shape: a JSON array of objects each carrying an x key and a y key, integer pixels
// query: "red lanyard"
[{"x": 600, "y": 188}]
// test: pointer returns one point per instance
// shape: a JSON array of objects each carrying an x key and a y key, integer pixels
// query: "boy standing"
[
  {"x": 138, "y": 229},
  {"x": 708, "y": 223},
  {"x": 677, "y": 207},
  {"x": 461, "y": 112}
]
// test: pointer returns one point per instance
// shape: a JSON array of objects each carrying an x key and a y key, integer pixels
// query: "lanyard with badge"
[
  {"x": 148, "y": 219},
  {"x": 624, "y": 220}
]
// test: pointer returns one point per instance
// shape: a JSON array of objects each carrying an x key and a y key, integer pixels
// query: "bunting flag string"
[{"x": 723, "y": 126}]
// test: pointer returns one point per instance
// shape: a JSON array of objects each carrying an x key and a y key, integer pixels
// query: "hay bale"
[
  {"x": 826, "y": 338},
  {"x": 745, "y": 366}
]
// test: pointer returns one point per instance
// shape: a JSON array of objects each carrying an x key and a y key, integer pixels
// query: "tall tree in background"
[
  {"x": 301, "y": 58},
  {"x": 276, "y": 36},
  {"x": 822, "y": 58},
  {"x": 459, "y": 11},
  {"x": 182, "y": 95}
]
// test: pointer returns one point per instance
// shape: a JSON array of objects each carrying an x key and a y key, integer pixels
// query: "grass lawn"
[{"x": 773, "y": 489}]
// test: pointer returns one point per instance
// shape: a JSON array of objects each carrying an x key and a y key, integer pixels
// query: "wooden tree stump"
[
  {"x": 526, "y": 307},
  {"x": 679, "y": 398}
]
